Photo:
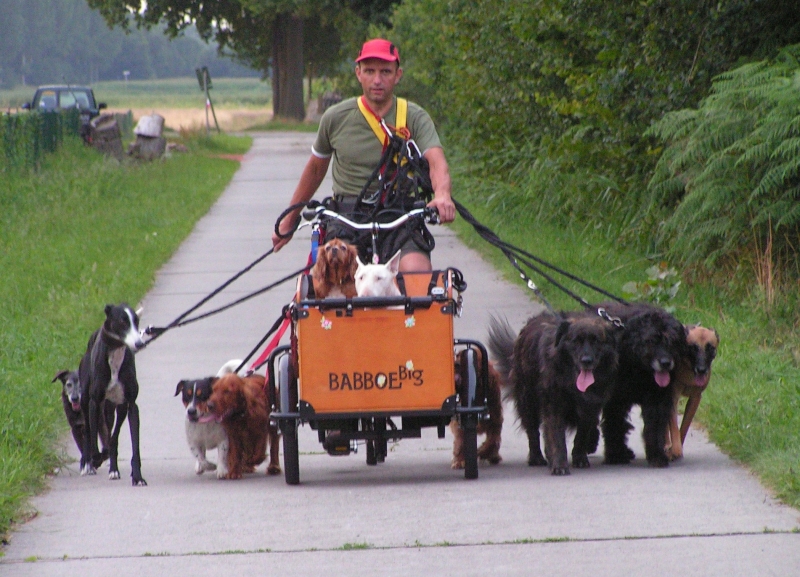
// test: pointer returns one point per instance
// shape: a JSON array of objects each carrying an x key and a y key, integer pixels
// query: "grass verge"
[
  {"x": 752, "y": 407},
  {"x": 63, "y": 258}
]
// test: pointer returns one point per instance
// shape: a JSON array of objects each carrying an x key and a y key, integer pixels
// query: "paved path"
[{"x": 412, "y": 515}]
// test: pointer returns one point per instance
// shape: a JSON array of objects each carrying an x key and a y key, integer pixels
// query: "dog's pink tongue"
[
  {"x": 76, "y": 406},
  {"x": 585, "y": 379},
  {"x": 207, "y": 418},
  {"x": 662, "y": 378}
]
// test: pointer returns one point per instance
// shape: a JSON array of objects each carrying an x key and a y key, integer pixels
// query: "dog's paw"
[
  {"x": 659, "y": 460},
  {"x": 201, "y": 467},
  {"x": 580, "y": 461},
  {"x": 621, "y": 457},
  {"x": 457, "y": 463},
  {"x": 138, "y": 482},
  {"x": 113, "y": 475},
  {"x": 493, "y": 459},
  {"x": 274, "y": 470},
  {"x": 88, "y": 470},
  {"x": 674, "y": 454},
  {"x": 222, "y": 473},
  {"x": 559, "y": 471},
  {"x": 536, "y": 461},
  {"x": 491, "y": 455}
]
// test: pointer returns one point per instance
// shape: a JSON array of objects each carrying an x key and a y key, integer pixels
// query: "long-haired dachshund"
[
  {"x": 240, "y": 403},
  {"x": 333, "y": 275}
]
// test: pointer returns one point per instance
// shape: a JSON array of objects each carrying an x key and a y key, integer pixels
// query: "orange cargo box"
[{"x": 378, "y": 359}]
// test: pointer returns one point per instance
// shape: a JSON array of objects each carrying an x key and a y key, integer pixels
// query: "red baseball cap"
[{"x": 379, "y": 48}]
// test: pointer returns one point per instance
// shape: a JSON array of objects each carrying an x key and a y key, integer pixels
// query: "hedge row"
[{"x": 26, "y": 137}]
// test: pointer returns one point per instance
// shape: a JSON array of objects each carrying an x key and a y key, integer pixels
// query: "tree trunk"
[{"x": 287, "y": 67}]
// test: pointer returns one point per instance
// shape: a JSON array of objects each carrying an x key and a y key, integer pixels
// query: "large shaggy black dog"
[
  {"x": 650, "y": 347},
  {"x": 560, "y": 370}
]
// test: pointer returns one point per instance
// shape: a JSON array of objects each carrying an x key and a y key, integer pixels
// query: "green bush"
[
  {"x": 727, "y": 184},
  {"x": 25, "y": 138}
]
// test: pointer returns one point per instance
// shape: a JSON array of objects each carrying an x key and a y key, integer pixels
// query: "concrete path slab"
[{"x": 411, "y": 515}]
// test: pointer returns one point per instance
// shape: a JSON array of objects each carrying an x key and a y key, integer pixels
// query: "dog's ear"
[
  {"x": 108, "y": 309},
  {"x": 352, "y": 258},
  {"x": 358, "y": 261},
  {"x": 561, "y": 332},
  {"x": 394, "y": 263},
  {"x": 179, "y": 388},
  {"x": 60, "y": 376},
  {"x": 320, "y": 270}
]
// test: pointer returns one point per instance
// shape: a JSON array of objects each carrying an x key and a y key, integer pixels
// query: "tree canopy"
[{"x": 266, "y": 34}]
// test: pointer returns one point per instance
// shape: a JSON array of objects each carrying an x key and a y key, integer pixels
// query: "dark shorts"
[{"x": 417, "y": 240}]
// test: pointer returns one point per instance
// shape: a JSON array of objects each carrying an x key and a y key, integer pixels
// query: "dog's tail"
[
  {"x": 229, "y": 367},
  {"x": 501, "y": 347}
]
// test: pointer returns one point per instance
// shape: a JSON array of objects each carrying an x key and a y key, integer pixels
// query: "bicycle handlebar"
[{"x": 431, "y": 216}]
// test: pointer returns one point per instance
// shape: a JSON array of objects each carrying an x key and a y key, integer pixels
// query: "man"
[{"x": 345, "y": 136}]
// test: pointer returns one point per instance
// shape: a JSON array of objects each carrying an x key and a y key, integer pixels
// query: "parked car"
[{"x": 62, "y": 97}]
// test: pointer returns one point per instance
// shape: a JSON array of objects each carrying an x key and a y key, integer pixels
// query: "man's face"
[{"x": 378, "y": 79}]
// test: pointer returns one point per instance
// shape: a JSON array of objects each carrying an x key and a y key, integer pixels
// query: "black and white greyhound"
[{"x": 108, "y": 373}]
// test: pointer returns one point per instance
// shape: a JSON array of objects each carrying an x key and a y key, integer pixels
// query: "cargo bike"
[{"x": 364, "y": 371}]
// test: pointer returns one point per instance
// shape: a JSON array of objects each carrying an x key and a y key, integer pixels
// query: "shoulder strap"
[
  {"x": 375, "y": 122},
  {"x": 402, "y": 113}
]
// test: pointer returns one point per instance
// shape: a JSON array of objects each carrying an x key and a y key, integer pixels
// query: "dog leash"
[
  {"x": 181, "y": 321},
  {"x": 517, "y": 255}
]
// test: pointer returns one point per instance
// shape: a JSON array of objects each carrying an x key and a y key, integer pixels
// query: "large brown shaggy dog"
[
  {"x": 691, "y": 380},
  {"x": 491, "y": 427},
  {"x": 241, "y": 404},
  {"x": 560, "y": 371},
  {"x": 651, "y": 345}
]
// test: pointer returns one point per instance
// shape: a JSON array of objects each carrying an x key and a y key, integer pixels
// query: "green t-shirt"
[{"x": 345, "y": 135}]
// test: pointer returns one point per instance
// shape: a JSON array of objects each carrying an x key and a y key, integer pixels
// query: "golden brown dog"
[
  {"x": 492, "y": 428},
  {"x": 334, "y": 272},
  {"x": 691, "y": 379},
  {"x": 241, "y": 405}
]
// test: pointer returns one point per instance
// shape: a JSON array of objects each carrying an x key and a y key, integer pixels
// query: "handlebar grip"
[
  {"x": 432, "y": 216},
  {"x": 309, "y": 214}
]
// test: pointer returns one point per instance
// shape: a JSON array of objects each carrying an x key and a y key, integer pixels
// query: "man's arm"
[
  {"x": 440, "y": 180},
  {"x": 313, "y": 175}
]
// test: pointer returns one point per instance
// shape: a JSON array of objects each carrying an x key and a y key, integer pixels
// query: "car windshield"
[
  {"x": 69, "y": 99},
  {"x": 51, "y": 99}
]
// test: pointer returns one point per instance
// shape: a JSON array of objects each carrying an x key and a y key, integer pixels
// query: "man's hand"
[
  {"x": 287, "y": 228},
  {"x": 444, "y": 205}
]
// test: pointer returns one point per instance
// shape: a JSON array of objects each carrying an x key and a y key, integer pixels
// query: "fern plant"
[{"x": 729, "y": 176}]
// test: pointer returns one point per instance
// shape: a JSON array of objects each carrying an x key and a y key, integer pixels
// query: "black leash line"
[
  {"x": 517, "y": 255},
  {"x": 158, "y": 331},
  {"x": 240, "y": 300}
]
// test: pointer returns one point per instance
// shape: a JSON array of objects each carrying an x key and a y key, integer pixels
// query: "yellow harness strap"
[{"x": 375, "y": 122}]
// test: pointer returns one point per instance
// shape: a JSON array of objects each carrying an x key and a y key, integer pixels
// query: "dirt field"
[{"x": 188, "y": 118}]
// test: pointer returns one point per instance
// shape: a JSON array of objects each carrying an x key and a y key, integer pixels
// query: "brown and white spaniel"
[{"x": 240, "y": 403}]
